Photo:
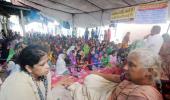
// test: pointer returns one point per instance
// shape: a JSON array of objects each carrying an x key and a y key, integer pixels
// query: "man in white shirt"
[{"x": 154, "y": 40}]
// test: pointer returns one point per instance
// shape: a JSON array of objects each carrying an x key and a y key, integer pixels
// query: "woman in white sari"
[{"x": 61, "y": 65}]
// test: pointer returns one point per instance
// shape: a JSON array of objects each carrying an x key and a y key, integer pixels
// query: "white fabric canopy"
[{"x": 83, "y": 13}]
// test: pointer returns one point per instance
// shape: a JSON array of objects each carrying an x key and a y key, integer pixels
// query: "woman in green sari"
[{"x": 105, "y": 60}]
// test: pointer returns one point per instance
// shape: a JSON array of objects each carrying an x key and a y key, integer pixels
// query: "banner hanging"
[
  {"x": 123, "y": 14},
  {"x": 152, "y": 13}
]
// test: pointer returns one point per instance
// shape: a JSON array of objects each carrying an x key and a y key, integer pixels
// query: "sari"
[
  {"x": 61, "y": 65},
  {"x": 95, "y": 61},
  {"x": 109, "y": 50},
  {"x": 86, "y": 49},
  {"x": 90, "y": 91},
  {"x": 70, "y": 49},
  {"x": 126, "y": 38},
  {"x": 72, "y": 58},
  {"x": 127, "y": 90},
  {"x": 108, "y": 90},
  {"x": 113, "y": 60},
  {"x": 105, "y": 60}
]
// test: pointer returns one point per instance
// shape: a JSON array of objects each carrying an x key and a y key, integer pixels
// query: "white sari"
[{"x": 61, "y": 65}]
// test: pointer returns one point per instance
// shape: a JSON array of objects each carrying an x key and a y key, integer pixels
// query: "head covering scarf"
[
  {"x": 61, "y": 65},
  {"x": 70, "y": 49}
]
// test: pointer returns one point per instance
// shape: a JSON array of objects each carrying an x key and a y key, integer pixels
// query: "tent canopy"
[
  {"x": 81, "y": 12},
  {"x": 8, "y": 9}
]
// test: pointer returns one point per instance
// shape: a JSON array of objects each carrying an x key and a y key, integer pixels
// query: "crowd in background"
[{"x": 83, "y": 52}]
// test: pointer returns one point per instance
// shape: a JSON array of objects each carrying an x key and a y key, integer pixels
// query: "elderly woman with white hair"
[{"x": 142, "y": 74}]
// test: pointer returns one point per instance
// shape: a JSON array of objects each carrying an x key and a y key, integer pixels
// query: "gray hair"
[{"x": 149, "y": 59}]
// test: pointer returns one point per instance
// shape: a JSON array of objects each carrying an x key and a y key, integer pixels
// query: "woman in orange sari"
[{"x": 126, "y": 38}]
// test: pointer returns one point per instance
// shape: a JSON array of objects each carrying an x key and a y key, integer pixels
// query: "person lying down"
[{"x": 142, "y": 73}]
